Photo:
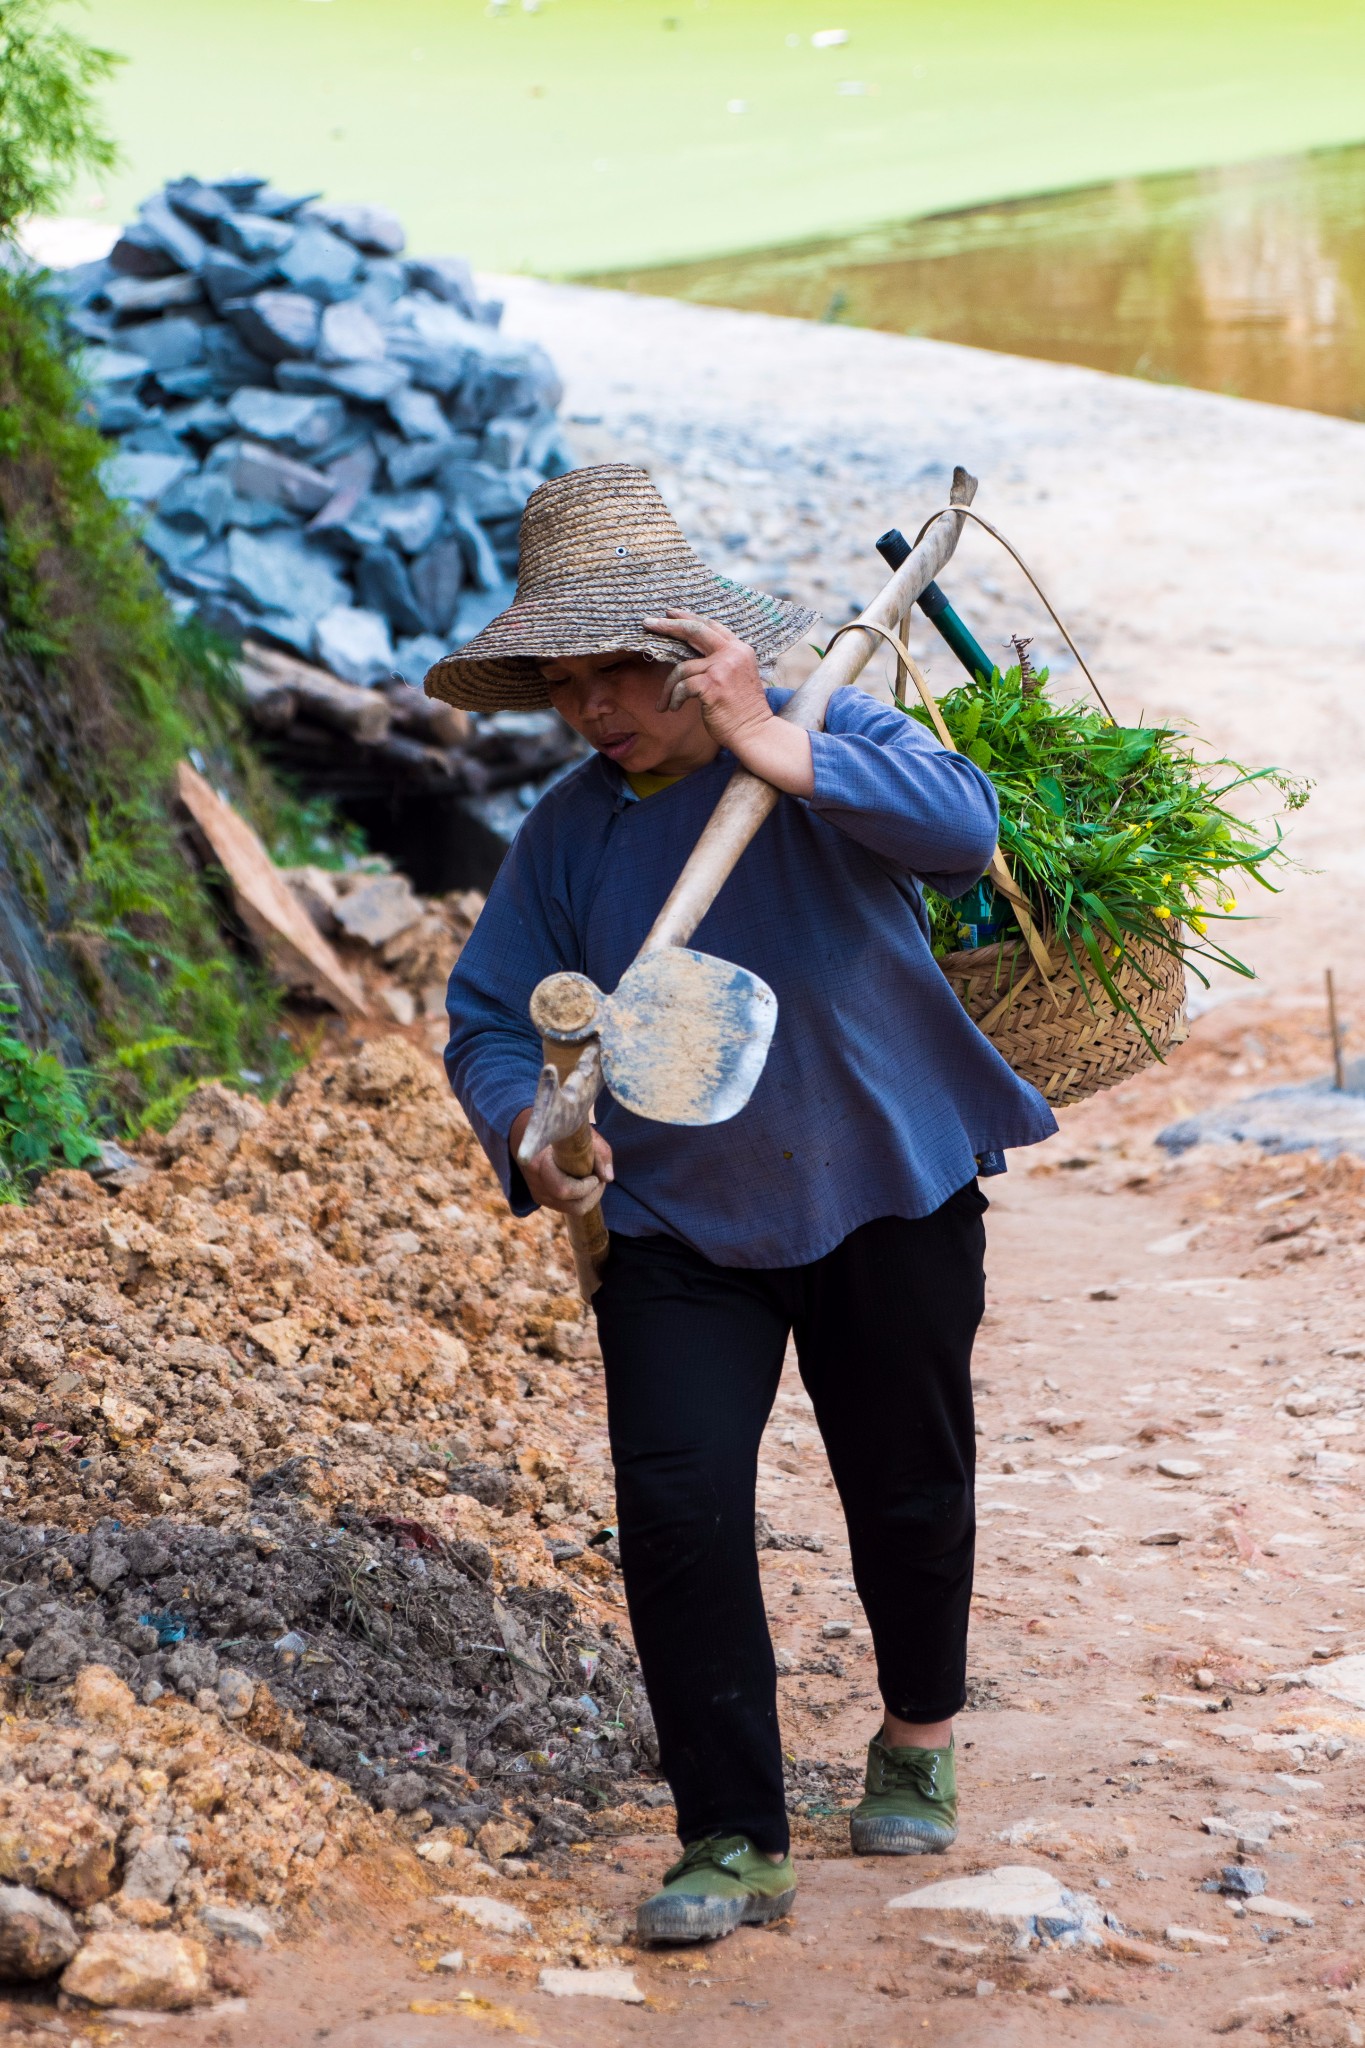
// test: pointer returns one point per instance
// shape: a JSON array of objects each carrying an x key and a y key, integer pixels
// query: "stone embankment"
[{"x": 330, "y": 445}]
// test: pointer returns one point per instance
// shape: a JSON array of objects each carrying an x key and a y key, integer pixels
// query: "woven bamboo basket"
[{"x": 1069, "y": 1049}]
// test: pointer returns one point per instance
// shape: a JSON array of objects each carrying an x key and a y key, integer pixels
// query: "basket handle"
[{"x": 999, "y": 868}]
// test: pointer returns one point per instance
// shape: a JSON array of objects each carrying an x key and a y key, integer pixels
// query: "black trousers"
[{"x": 884, "y": 1326}]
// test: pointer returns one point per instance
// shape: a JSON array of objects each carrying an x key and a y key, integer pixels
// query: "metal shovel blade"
[{"x": 685, "y": 1036}]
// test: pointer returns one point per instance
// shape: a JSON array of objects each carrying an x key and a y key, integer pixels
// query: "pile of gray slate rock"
[{"x": 331, "y": 443}]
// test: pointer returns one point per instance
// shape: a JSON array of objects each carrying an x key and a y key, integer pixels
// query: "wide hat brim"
[{"x": 600, "y": 555}]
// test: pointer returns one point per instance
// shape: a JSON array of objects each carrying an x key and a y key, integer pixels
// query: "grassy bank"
[
  {"x": 587, "y": 134},
  {"x": 118, "y": 952}
]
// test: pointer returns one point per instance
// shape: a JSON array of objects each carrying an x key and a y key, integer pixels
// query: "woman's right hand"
[{"x": 551, "y": 1186}]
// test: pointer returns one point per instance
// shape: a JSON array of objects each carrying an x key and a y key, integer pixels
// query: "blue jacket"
[{"x": 879, "y": 1092}]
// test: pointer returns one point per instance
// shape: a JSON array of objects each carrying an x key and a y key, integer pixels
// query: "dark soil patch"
[{"x": 406, "y": 1672}]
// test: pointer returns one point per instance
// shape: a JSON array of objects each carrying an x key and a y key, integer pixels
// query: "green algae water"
[
  {"x": 562, "y": 136},
  {"x": 1248, "y": 280}
]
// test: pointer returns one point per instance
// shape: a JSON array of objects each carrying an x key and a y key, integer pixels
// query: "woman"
[{"x": 840, "y": 1205}]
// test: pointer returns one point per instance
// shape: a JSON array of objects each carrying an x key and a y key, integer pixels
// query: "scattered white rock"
[
  {"x": 244, "y": 1924},
  {"x": 452, "y": 1960},
  {"x": 617, "y": 1984},
  {"x": 1267, "y": 1908},
  {"x": 1194, "y": 1938},
  {"x": 1033, "y": 1902},
  {"x": 499, "y": 1916},
  {"x": 1343, "y": 1678},
  {"x": 1179, "y": 1468},
  {"x": 833, "y": 1631}
]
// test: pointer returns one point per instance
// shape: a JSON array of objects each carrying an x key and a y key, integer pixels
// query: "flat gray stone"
[
  {"x": 413, "y": 462},
  {"x": 113, "y": 369},
  {"x": 207, "y": 420},
  {"x": 253, "y": 236},
  {"x": 177, "y": 548},
  {"x": 225, "y": 276},
  {"x": 372, "y": 383},
  {"x": 354, "y": 645},
  {"x": 382, "y": 585},
  {"x": 131, "y": 296},
  {"x": 487, "y": 492},
  {"x": 446, "y": 277},
  {"x": 165, "y": 344},
  {"x": 348, "y": 334},
  {"x": 139, "y": 253},
  {"x": 437, "y": 579},
  {"x": 414, "y": 657},
  {"x": 503, "y": 443},
  {"x": 477, "y": 608},
  {"x": 141, "y": 479},
  {"x": 410, "y": 519},
  {"x": 303, "y": 423},
  {"x": 184, "y": 245},
  {"x": 418, "y": 415},
  {"x": 206, "y": 503},
  {"x": 319, "y": 262},
  {"x": 232, "y": 362},
  {"x": 481, "y": 564},
  {"x": 258, "y": 472},
  {"x": 284, "y": 572},
  {"x": 203, "y": 206},
  {"x": 276, "y": 324},
  {"x": 371, "y": 228}
]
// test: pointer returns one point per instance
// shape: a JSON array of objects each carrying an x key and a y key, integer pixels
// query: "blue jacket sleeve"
[
  {"x": 886, "y": 782},
  {"x": 493, "y": 1056}
]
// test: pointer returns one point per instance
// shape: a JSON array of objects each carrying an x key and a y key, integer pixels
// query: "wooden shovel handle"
[
  {"x": 746, "y": 801},
  {"x": 588, "y": 1236}
]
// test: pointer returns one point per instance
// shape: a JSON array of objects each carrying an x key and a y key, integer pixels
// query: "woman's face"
[{"x": 612, "y": 700}]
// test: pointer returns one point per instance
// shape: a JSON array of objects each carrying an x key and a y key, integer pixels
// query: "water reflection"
[{"x": 1248, "y": 280}]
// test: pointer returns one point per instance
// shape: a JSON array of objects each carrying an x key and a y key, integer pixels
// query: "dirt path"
[{"x": 1126, "y": 1691}]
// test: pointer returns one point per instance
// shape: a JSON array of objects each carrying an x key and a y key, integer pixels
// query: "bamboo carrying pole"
[{"x": 746, "y": 801}]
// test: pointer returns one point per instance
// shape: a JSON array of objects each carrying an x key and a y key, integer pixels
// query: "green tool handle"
[{"x": 893, "y": 548}]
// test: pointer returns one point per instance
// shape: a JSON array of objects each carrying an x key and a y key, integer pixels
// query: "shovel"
[{"x": 683, "y": 1038}]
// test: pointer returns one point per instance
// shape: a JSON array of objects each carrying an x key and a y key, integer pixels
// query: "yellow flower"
[
  {"x": 1161, "y": 911},
  {"x": 1165, "y": 881},
  {"x": 1229, "y": 905},
  {"x": 1198, "y": 924}
]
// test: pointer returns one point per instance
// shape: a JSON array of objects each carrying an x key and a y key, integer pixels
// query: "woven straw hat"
[{"x": 600, "y": 553}]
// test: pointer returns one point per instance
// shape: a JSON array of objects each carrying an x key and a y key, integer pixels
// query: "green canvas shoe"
[
  {"x": 715, "y": 1886},
  {"x": 909, "y": 1807}
]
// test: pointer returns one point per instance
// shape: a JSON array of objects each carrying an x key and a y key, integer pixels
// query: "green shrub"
[
  {"x": 49, "y": 127},
  {"x": 44, "y": 1117}
]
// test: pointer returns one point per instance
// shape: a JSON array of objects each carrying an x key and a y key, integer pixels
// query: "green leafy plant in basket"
[{"x": 1113, "y": 833}]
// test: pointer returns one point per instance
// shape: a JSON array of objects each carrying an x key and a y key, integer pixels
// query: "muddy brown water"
[{"x": 1247, "y": 280}]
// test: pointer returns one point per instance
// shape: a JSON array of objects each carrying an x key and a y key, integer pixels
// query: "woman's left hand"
[{"x": 723, "y": 677}]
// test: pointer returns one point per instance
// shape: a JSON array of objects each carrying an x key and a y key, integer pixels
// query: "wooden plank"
[{"x": 277, "y": 921}]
